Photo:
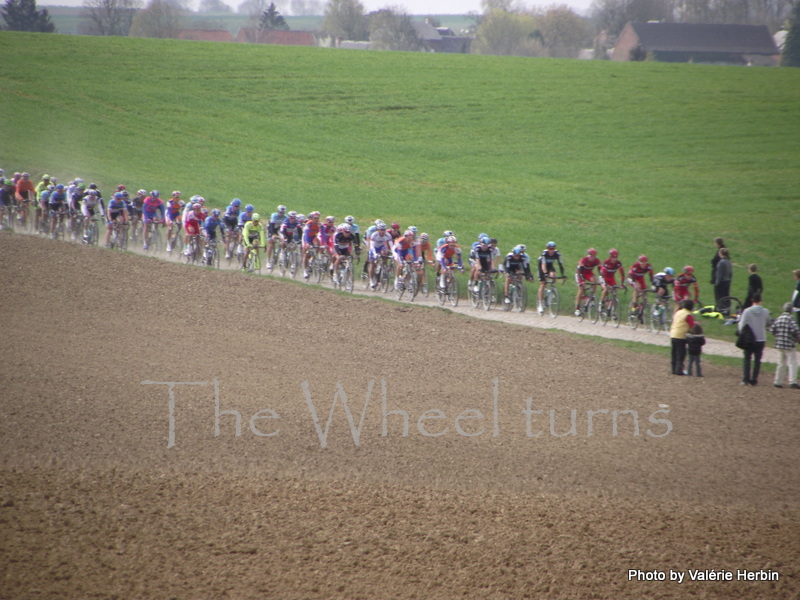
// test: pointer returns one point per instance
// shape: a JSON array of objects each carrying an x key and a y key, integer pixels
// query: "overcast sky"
[{"x": 414, "y": 7}]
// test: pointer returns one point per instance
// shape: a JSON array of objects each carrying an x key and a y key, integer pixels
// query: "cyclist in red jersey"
[
  {"x": 636, "y": 277},
  {"x": 682, "y": 283},
  {"x": 584, "y": 274},
  {"x": 609, "y": 269},
  {"x": 311, "y": 231}
]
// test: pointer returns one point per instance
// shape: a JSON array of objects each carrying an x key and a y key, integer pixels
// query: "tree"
[
  {"x": 161, "y": 19},
  {"x": 272, "y": 20},
  {"x": 562, "y": 32},
  {"x": 390, "y": 30},
  {"x": 611, "y": 15},
  {"x": 345, "y": 20},
  {"x": 505, "y": 33},
  {"x": 217, "y": 6},
  {"x": 22, "y": 15},
  {"x": 791, "y": 46},
  {"x": 108, "y": 17}
]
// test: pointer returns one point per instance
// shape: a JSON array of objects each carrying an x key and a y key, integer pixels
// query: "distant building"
[
  {"x": 282, "y": 38},
  {"x": 441, "y": 39},
  {"x": 698, "y": 43},
  {"x": 205, "y": 35}
]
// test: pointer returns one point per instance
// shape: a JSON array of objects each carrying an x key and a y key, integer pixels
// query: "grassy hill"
[{"x": 646, "y": 157}]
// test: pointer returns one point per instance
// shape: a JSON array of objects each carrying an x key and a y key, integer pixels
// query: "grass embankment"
[{"x": 646, "y": 157}]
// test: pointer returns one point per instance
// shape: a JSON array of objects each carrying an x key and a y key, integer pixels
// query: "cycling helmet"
[
  {"x": 215, "y": 213},
  {"x": 382, "y": 226},
  {"x": 281, "y": 208},
  {"x": 236, "y": 202},
  {"x": 643, "y": 259},
  {"x": 484, "y": 239},
  {"x": 118, "y": 196},
  {"x": 447, "y": 234},
  {"x": 591, "y": 252},
  {"x": 78, "y": 180},
  {"x": 200, "y": 199},
  {"x": 124, "y": 194},
  {"x": 522, "y": 247},
  {"x": 551, "y": 244},
  {"x": 396, "y": 225},
  {"x": 256, "y": 217},
  {"x": 669, "y": 271},
  {"x": 483, "y": 235},
  {"x": 688, "y": 269},
  {"x": 424, "y": 237},
  {"x": 92, "y": 186},
  {"x": 330, "y": 219},
  {"x": 613, "y": 253},
  {"x": 176, "y": 193},
  {"x": 181, "y": 203},
  {"x": 81, "y": 186},
  {"x": 301, "y": 217},
  {"x": 452, "y": 240},
  {"x": 120, "y": 188},
  {"x": 197, "y": 206},
  {"x": 60, "y": 187},
  {"x": 413, "y": 229},
  {"x": 51, "y": 187},
  {"x": 249, "y": 208},
  {"x": 292, "y": 214},
  {"x": 346, "y": 227},
  {"x": 349, "y": 219},
  {"x": 154, "y": 194},
  {"x": 54, "y": 180},
  {"x": 26, "y": 175},
  {"x": 408, "y": 233},
  {"x": 142, "y": 192},
  {"x": 91, "y": 193},
  {"x": 340, "y": 227},
  {"x": 45, "y": 176},
  {"x": 314, "y": 215}
]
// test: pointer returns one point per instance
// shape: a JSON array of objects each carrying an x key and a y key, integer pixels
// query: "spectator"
[
  {"x": 719, "y": 244},
  {"x": 757, "y": 317},
  {"x": 722, "y": 276},
  {"x": 682, "y": 321},
  {"x": 754, "y": 285},
  {"x": 695, "y": 340},
  {"x": 787, "y": 334}
]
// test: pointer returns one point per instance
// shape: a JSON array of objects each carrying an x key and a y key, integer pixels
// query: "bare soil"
[{"x": 449, "y": 478}]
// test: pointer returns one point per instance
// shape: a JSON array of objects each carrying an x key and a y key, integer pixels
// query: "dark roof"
[{"x": 698, "y": 37}]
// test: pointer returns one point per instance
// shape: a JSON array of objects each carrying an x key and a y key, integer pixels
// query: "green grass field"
[{"x": 646, "y": 157}]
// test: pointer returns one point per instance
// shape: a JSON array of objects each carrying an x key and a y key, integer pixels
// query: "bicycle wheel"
[
  {"x": 348, "y": 284},
  {"x": 411, "y": 282},
  {"x": 730, "y": 307},
  {"x": 614, "y": 311},
  {"x": 520, "y": 299},
  {"x": 452, "y": 291},
  {"x": 655, "y": 318},
  {"x": 473, "y": 295},
  {"x": 487, "y": 294},
  {"x": 553, "y": 299},
  {"x": 385, "y": 278},
  {"x": 636, "y": 314},
  {"x": 593, "y": 309},
  {"x": 512, "y": 297}
]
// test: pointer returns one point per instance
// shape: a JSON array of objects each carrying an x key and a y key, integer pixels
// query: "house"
[
  {"x": 440, "y": 39},
  {"x": 696, "y": 42},
  {"x": 205, "y": 35},
  {"x": 282, "y": 38}
]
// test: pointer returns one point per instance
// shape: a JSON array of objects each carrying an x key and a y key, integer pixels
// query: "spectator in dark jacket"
[
  {"x": 754, "y": 285},
  {"x": 722, "y": 278},
  {"x": 719, "y": 244}
]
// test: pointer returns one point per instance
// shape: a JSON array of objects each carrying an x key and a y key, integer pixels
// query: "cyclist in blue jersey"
[
  {"x": 273, "y": 231},
  {"x": 116, "y": 211}
]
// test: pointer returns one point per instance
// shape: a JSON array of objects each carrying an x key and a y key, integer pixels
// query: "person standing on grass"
[
  {"x": 722, "y": 279},
  {"x": 754, "y": 285},
  {"x": 787, "y": 334},
  {"x": 682, "y": 322},
  {"x": 718, "y": 243},
  {"x": 757, "y": 317}
]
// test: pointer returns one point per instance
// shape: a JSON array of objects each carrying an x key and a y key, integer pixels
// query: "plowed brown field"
[{"x": 457, "y": 473}]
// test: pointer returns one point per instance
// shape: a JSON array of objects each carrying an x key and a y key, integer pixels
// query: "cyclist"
[
  {"x": 402, "y": 248},
  {"x": 42, "y": 203},
  {"x": 311, "y": 231},
  {"x": 174, "y": 217},
  {"x": 515, "y": 261},
  {"x": 75, "y": 194},
  {"x": 244, "y": 217},
  {"x": 481, "y": 257},
  {"x": 584, "y": 274},
  {"x": 636, "y": 277},
  {"x": 25, "y": 194},
  {"x": 192, "y": 225},
  {"x": 448, "y": 252},
  {"x": 89, "y": 205},
  {"x": 394, "y": 230},
  {"x": 135, "y": 207},
  {"x": 291, "y": 229},
  {"x": 273, "y": 231},
  {"x": 682, "y": 283},
  {"x": 254, "y": 236},
  {"x": 609, "y": 270},
  {"x": 380, "y": 244},
  {"x": 231, "y": 220},
  {"x": 117, "y": 212},
  {"x": 350, "y": 220},
  {"x": 56, "y": 204},
  {"x": 662, "y": 280},
  {"x": 151, "y": 205},
  {"x": 546, "y": 268},
  {"x": 342, "y": 247},
  {"x": 425, "y": 254},
  {"x": 210, "y": 226},
  {"x": 6, "y": 198},
  {"x": 326, "y": 233}
]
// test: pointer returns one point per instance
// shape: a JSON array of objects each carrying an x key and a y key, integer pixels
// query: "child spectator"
[
  {"x": 754, "y": 285},
  {"x": 695, "y": 340}
]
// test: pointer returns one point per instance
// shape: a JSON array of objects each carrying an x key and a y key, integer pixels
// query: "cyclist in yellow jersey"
[{"x": 253, "y": 235}]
